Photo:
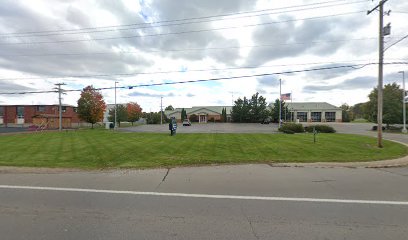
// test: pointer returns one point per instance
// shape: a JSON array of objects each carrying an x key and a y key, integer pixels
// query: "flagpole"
[
  {"x": 280, "y": 101},
  {"x": 291, "y": 105}
]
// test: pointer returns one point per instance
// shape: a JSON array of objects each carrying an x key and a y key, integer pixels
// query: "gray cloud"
[
  {"x": 152, "y": 95},
  {"x": 24, "y": 19},
  {"x": 190, "y": 95},
  {"x": 268, "y": 81},
  {"x": 12, "y": 87},
  {"x": 316, "y": 37},
  {"x": 329, "y": 73},
  {"x": 349, "y": 84}
]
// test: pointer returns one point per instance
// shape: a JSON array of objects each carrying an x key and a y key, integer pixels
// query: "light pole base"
[{"x": 404, "y": 130}]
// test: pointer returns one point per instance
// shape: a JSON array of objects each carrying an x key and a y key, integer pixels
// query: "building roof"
[
  {"x": 311, "y": 106},
  {"x": 193, "y": 110}
]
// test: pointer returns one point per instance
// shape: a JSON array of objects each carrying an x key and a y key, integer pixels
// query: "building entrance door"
[{"x": 203, "y": 118}]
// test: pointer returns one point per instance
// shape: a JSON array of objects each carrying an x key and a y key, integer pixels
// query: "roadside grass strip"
[{"x": 96, "y": 149}]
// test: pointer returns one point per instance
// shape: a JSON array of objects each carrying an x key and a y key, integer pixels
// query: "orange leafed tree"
[
  {"x": 134, "y": 112},
  {"x": 91, "y": 105}
]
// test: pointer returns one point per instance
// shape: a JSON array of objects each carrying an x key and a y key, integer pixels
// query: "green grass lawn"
[
  {"x": 360, "y": 120},
  {"x": 92, "y": 149}
]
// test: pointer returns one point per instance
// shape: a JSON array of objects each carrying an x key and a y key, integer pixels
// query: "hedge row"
[{"x": 291, "y": 128}]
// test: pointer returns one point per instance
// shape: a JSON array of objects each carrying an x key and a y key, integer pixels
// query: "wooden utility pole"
[
  {"x": 380, "y": 6},
  {"x": 60, "y": 91}
]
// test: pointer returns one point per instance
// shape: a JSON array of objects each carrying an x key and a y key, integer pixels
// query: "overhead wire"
[
  {"x": 354, "y": 66},
  {"x": 176, "y": 33},
  {"x": 80, "y": 30},
  {"x": 179, "y": 71},
  {"x": 190, "y": 49}
]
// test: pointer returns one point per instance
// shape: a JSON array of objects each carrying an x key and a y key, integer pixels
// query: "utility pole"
[
  {"x": 114, "y": 126},
  {"x": 280, "y": 101},
  {"x": 161, "y": 110},
  {"x": 232, "y": 98},
  {"x": 380, "y": 6},
  {"x": 404, "y": 114},
  {"x": 60, "y": 91}
]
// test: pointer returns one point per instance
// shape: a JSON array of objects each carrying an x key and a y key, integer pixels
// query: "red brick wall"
[{"x": 10, "y": 113}]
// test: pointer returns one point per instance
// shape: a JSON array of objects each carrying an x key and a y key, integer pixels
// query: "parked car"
[
  {"x": 266, "y": 121},
  {"x": 186, "y": 122}
]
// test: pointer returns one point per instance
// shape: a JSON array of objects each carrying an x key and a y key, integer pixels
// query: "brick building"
[{"x": 46, "y": 116}]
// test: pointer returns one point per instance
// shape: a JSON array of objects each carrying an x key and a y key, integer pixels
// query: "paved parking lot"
[
  {"x": 209, "y": 128},
  {"x": 351, "y": 128},
  {"x": 12, "y": 129}
]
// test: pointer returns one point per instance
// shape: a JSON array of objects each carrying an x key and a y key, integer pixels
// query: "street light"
[{"x": 404, "y": 115}]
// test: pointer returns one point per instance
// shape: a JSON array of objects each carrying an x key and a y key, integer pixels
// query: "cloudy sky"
[{"x": 245, "y": 46}]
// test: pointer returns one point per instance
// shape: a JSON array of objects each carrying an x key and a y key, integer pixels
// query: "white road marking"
[{"x": 189, "y": 195}]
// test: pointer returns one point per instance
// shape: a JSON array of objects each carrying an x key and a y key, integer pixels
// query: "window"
[
  {"x": 75, "y": 109},
  {"x": 20, "y": 112},
  {"x": 64, "y": 109},
  {"x": 1, "y": 111},
  {"x": 316, "y": 116},
  {"x": 40, "y": 108},
  {"x": 330, "y": 116},
  {"x": 302, "y": 116}
]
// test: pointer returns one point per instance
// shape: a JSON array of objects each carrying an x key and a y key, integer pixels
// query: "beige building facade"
[{"x": 314, "y": 112}]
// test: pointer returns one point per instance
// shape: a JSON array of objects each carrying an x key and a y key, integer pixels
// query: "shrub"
[
  {"x": 288, "y": 131},
  {"x": 320, "y": 129},
  {"x": 294, "y": 127}
]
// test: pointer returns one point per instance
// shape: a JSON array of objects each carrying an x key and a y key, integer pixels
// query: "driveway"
[{"x": 365, "y": 129}]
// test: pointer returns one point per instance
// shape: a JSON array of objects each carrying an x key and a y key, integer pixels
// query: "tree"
[
  {"x": 154, "y": 117},
  {"x": 274, "y": 110},
  {"x": 252, "y": 110},
  {"x": 357, "y": 111},
  {"x": 240, "y": 110},
  {"x": 224, "y": 115},
  {"x": 258, "y": 110},
  {"x": 91, "y": 105},
  {"x": 183, "y": 114},
  {"x": 169, "y": 108},
  {"x": 121, "y": 114},
  {"x": 346, "y": 113},
  {"x": 392, "y": 105},
  {"x": 134, "y": 112}
]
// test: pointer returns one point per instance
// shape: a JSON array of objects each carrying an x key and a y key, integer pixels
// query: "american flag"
[{"x": 285, "y": 96}]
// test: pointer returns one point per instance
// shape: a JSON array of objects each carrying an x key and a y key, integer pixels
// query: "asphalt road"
[{"x": 218, "y": 202}]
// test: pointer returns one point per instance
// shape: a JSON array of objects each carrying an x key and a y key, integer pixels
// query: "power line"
[
  {"x": 174, "y": 24},
  {"x": 179, "y": 71},
  {"x": 406, "y": 36},
  {"x": 354, "y": 66},
  {"x": 190, "y": 49},
  {"x": 181, "y": 32},
  {"x": 193, "y": 70},
  {"x": 189, "y": 19}
]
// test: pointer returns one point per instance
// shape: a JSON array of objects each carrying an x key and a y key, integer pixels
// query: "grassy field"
[{"x": 90, "y": 149}]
